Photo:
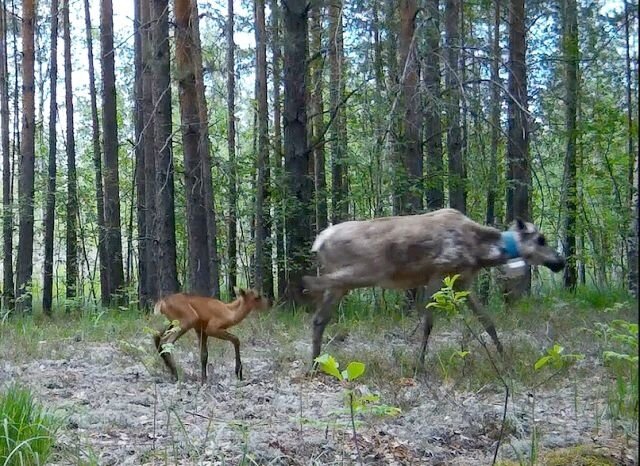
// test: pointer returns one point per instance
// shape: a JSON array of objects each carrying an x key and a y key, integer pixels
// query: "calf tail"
[{"x": 157, "y": 309}]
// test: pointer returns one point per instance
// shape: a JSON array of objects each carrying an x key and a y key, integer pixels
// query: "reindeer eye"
[{"x": 541, "y": 240}]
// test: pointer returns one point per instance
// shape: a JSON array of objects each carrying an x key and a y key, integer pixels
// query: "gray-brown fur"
[{"x": 414, "y": 251}]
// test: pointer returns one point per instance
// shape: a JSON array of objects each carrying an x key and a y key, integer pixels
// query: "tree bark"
[
  {"x": 197, "y": 240},
  {"x": 24, "y": 266},
  {"x": 457, "y": 191},
  {"x": 72, "y": 179},
  {"x": 495, "y": 116},
  {"x": 279, "y": 210},
  {"x": 409, "y": 140},
  {"x": 232, "y": 274},
  {"x": 205, "y": 154},
  {"x": 7, "y": 195},
  {"x": 97, "y": 161},
  {"x": 299, "y": 185},
  {"x": 571, "y": 59},
  {"x": 518, "y": 170},
  {"x": 110, "y": 143},
  {"x": 263, "y": 268},
  {"x": 433, "y": 125},
  {"x": 50, "y": 208},
  {"x": 338, "y": 133},
  {"x": 164, "y": 240},
  {"x": 316, "y": 108}
]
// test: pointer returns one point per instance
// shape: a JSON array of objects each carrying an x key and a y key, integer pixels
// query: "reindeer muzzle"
[{"x": 555, "y": 265}]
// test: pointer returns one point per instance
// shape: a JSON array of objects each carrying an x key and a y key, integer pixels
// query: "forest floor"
[{"x": 100, "y": 374}]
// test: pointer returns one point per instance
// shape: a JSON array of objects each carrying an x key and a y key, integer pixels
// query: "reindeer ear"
[
  {"x": 521, "y": 224},
  {"x": 242, "y": 292}
]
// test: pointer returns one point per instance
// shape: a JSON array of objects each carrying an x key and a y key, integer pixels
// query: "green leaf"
[
  {"x": 542, "y": 362},
  {"x": 354, "y": 370},
  {"x": 329, "y": 365}
]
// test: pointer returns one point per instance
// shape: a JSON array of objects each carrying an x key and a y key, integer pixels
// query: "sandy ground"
[{"x": 120, "y": 408}]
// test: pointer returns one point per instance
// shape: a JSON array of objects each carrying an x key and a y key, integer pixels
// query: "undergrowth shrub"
[{"x": 27, "y": 430}]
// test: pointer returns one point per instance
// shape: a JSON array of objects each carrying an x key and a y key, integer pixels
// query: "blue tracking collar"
[{"x": 509, "y": 244}]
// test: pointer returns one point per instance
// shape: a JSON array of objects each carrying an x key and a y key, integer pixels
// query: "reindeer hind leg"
[{"x": 169, "y": 335}]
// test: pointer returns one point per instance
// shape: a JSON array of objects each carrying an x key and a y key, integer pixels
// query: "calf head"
[
  {"x": 533, "y": 247},
  {"x": 253, "y": 299}
]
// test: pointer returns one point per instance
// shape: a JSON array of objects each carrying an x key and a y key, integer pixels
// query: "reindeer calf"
[
  {"x": 414, "y": 251},
  {"x": 208, "y": 317}
]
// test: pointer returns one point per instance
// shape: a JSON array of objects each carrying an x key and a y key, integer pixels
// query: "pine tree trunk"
[
  {"x": 110, "y": 134},
  {"x": 457, "y": 196},
  {"x": 232, "y": 274},
  {"x": 316, "y": 107},
  {"x": 205, "y": 154},
  {"x": 50, "y": 208},
  {"x": 338, "y": 133},
  {"x": 197, "y": 239},
  {"x": 433, "y": 125},
  {"x": 410, "y": 143},
  {"x": 97, "y": 162},
  {"x": 24, "y": 266},
  {"x": 495, "y": 116},
  {"x": 281, "y": 259},
  {"x": 164, "y": 241},
  {"x": 571, "y": 59},
  {"x": 7, "y": 195},
  {"x": 518, "y": 171},
  {"x": 72, "y": 181},
  {"x": 263, "y": 269},
  {"x": 299, "y": 186}
]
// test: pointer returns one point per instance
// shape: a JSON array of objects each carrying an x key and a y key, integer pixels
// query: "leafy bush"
[{"x": 27, "y": 431}]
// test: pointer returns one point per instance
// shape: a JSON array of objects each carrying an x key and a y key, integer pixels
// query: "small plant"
[
  {"x": 27, "y": 431},
  {"x": 357, "y": 402},
  {"x": 556, "y": 359},
  {"x": 447, "y": 300},
  {"x": 622, "y": 361}
]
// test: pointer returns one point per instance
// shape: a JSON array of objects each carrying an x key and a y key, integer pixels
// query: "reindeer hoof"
[{"x": 239, "y": 372}]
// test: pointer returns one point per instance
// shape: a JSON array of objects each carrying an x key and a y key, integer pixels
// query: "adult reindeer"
[{"x": 414, "y": 251}]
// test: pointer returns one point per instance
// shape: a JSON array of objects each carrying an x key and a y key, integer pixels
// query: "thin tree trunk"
[
  {"x": 97, "y": 161},
  {"x": 7, "y": 195},
  {"x": 433, "y": 125},
  {"x": 24, "y": 266},
  {"x": 299, "y": 186},
  {"x": 111, "y": 175},
  {"x": 633, "y": 240},
  {"x": 411, "y": 126},
  {"x": 338, "y": 133},
  {"x": 50, "y": 208},
  {"x": 571, "y": 59},
  {"x": 316, "y": 106},
  {"x": 279, "y": 210},
  {"x": 205, "y": 154},
  {"x": 518, "y": 170},
  {"x": 164, "y": 241},
  {"x": 232, "y": 274},
  {"x": 495, "y": 116},
  {"x": 457, "y": 191},
  {"x": 72, "y": 182},
  {"x": 263, "y": 268},
  {"x": 197, "y": 240},
  {"x": 140, "y": 47}
]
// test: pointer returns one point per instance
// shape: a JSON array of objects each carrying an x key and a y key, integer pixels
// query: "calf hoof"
[{"x": 239, "y": 372}]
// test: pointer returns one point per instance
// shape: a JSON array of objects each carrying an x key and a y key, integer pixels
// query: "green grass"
[{"x": 27, "y": 430}]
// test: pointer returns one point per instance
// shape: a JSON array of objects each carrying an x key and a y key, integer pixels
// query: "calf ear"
[
  {"x": 242, "y": 292},
  {"x": 521, "y": 224}
]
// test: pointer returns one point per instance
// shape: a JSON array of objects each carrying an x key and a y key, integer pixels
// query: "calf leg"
[
  {"x": 204, "y": 355},
  {"x": 428, "y": 325},
  {"x": 224, "y": 335},
  {"x": 169, "y": 335},
  {"x": 322, "y": 317}
]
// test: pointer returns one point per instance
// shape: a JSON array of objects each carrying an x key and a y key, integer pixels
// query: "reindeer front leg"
[{"x": 485, "y": 320}]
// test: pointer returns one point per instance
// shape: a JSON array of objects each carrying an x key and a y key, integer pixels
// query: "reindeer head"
[
  {"x": 533, "y": 248},
  {"x": 253, "y": 299}
]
